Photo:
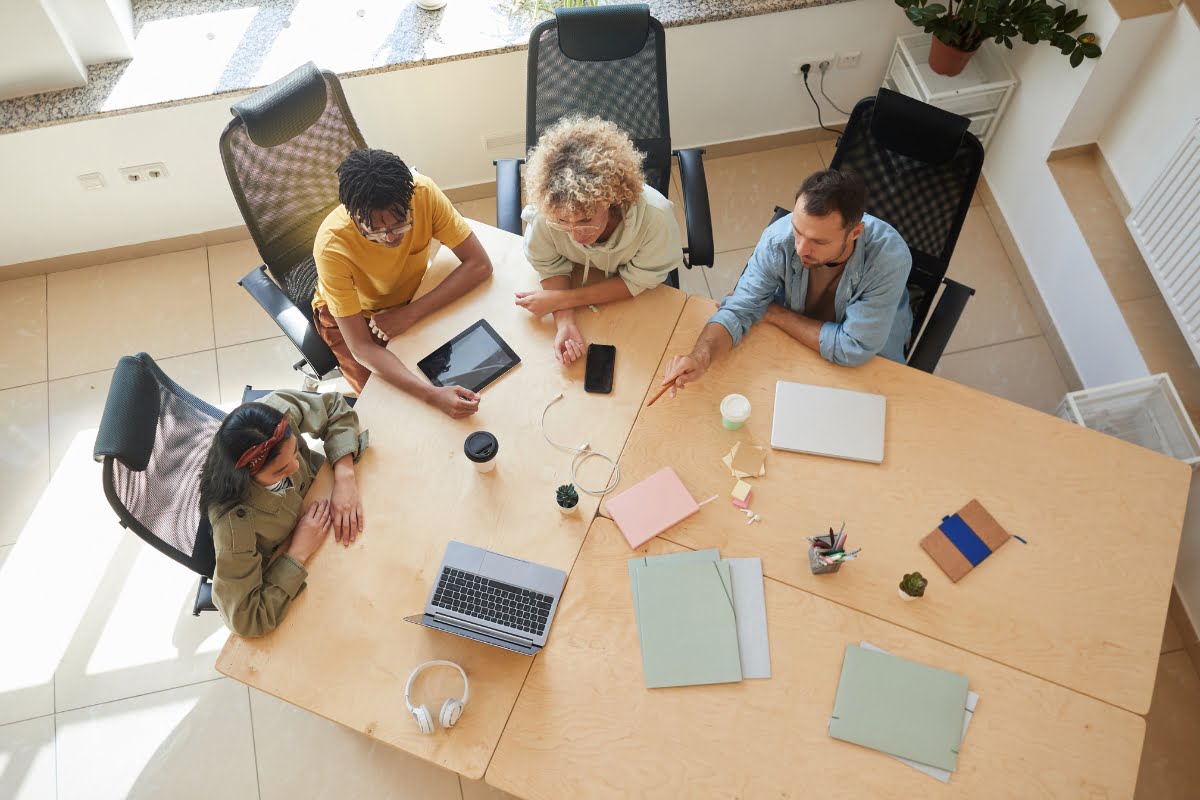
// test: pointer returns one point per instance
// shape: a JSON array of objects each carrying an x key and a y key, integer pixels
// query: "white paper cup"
[
  {"x": 735, "y": 409},
  {"x": 481, "y": 448}
]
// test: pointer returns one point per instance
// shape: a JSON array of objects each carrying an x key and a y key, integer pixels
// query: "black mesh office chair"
[
  {"x": 921, "y": 165},
  {"x": 154, "y": 437},
  {"x": 609, "y": 62},
  {"x": 281, "y": 152}
]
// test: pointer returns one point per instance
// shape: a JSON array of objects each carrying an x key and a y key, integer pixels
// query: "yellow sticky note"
[{"x": 741, "y": 490}]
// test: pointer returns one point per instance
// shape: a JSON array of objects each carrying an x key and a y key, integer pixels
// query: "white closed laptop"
[{"x": 828, "y": 422}]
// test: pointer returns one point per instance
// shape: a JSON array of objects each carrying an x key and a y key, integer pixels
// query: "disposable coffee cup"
[
  {"x": 481, "y": 448},
  {"x": 735, "y": 409}
]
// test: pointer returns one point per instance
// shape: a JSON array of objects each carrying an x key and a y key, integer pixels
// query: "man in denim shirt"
[{"x": 828, "y": 275}]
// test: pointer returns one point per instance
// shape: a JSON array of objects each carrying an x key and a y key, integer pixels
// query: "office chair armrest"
[
  {"x": 508, "y": 194},
  {"x": 938, "y": 330},
  {"x": 290, "y": 319},
  {"x": 696, "y": 211}
]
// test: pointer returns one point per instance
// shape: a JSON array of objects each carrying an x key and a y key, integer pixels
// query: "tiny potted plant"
[
  {"x": 912, "y": 586},
  {"x": 566, "y": 498}
]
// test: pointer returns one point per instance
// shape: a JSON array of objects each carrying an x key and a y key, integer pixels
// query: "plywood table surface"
[
  {"x": 1082, "y": 604},
  {"x": 344, "y": 650},
  {"x": 586, "y": 727}
]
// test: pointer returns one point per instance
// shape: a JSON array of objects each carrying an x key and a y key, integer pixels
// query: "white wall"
[
  {"x": 728, "y": 80},
  {"x": 101, "y": 30},
  {"x": 1160, "y": 106},
  {"x": 36, "y": 55},
  {"x": 1075, "y": 293}
]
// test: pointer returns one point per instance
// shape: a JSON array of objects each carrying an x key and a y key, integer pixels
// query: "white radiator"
[{"x": 1166, "y": 227}]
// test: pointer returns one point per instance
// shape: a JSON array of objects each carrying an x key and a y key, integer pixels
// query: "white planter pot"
[
  {"x": 566, "y": 511},
  {"x": 908, "y": 598}
]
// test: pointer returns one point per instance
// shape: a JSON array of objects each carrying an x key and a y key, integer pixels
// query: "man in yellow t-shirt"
[{"x": 371, "y": 253}]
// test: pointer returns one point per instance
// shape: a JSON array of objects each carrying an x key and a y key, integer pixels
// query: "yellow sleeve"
[
  {"x": 449, "y": 227},
  {"x": 336, "y": 282}
]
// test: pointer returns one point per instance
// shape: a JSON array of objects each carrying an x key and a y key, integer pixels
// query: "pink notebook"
[{"x": 646, "y": 509}]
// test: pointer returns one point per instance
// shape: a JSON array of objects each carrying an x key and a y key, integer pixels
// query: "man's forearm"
[
  {"x": 712, "y": 343},
  {"x": 462, "y": 279},
  {"x": 803, "y": 329},
  {"x": 383, "y": 363}
]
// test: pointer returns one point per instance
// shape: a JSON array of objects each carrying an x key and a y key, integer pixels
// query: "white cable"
[{"x": 582, "y": 454}]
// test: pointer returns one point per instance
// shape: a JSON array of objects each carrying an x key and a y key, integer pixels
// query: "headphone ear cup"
[
  {"x": 451, "y": 710},
  {"x": 423, "y": 720}
]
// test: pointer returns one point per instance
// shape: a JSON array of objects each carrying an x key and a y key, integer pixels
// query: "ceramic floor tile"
[
  {"x": 1169, "y": 767},
  {"x": 999, "y": 311},
  {"x": 482, "y": 210},
  {"x": 478, "y": 790},
  {"x": 77, "y": 403},
  {"x": 1172, "y": 640},
  {"x": 237, "y": 317},
  {"x": 137, "y": 634},
  {"x": 744, "y": 190},
  {"x": 826, "y": 149},
  {"x": 24, "y": 694},
  {"x": 159, "y": 304},
  {"x": 1023, "y": 371},
  {"x": 694, "y": 280},
  {"x": 1103, "y": 226},
  {"x": 725, "y": 273},
  {"x": 27, "y": 760},
  {"x": 303, "y": 755},
  {"x": 25, "y": 457},
  {"x": 263, "y": 365},
  {"x": 191, "y": 743},
  {"x": 1164, "y": 347},
  {"x": 22, "y": 331}
]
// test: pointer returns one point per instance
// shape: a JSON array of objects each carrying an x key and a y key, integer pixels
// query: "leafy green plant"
[
  {"x": 566, "y": 495},
  {"x": 913, "y": 584},
  {"x": 967, "y": 24},
  {"x": 534, "y": 8}
]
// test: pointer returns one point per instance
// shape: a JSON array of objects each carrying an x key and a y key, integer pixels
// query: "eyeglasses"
[
  {"x": 383, "y": 235},
  {"x": 571, "y": 227}
]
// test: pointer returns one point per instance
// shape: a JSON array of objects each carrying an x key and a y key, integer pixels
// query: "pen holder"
[{"x": 819, "y": 567}]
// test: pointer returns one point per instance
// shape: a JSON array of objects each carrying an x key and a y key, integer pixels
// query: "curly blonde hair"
[{"x": 580, "y": 164}]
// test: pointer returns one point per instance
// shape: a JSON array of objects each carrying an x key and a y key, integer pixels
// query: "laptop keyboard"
[{"x": 483, "y": 598}]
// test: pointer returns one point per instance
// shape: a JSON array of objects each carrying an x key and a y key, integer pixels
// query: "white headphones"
[{"x": 451, "y": 709}]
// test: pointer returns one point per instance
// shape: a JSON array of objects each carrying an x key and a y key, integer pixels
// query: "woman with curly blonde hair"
[{"x": 590, "y": 205}]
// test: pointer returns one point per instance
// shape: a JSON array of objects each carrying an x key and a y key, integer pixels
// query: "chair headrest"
[
  {"x": 603, "y": 33},
  {"x": 289, "y": 106},
  {"x": 915, "y": 129},
  {"x": 130, "y": 419}
]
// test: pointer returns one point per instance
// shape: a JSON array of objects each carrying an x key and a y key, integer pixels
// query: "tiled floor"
[{"x": 114, "y": 695}]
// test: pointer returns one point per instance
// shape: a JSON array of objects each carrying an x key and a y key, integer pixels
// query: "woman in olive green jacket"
[{"x": 252, "y": 487}]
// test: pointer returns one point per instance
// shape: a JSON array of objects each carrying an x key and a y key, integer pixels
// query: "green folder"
[
  {"x": 686, "y": 623},
  {"x": 901, "y": 707}
]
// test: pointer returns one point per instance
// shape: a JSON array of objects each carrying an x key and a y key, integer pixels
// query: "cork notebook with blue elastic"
[{"x": 963, "y": 540}]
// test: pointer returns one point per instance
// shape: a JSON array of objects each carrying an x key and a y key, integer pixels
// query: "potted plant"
[
  {"x": 960, "y": 26},
  {"x": 912, "y": 586},
  {"x": 566, "y": 499}
]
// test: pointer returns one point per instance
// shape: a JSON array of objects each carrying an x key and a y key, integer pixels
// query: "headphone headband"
[{"x": 427, "y": 665}]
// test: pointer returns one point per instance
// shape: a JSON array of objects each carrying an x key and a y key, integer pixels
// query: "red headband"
[{"x": 256, "y": 456}]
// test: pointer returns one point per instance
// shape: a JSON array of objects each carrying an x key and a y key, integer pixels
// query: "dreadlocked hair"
[{"x": 374, "y": 180}]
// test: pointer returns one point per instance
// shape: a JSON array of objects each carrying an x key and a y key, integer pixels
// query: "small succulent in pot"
[
  {"x": 913, "y": 586},
  {"x": 566, "y": 497}
]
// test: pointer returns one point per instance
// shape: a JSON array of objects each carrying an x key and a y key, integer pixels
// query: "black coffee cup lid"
[{"x": 481, "y": 447}]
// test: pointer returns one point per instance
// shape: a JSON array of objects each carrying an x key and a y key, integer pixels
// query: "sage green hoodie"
[{"x": 644, "y": 247}]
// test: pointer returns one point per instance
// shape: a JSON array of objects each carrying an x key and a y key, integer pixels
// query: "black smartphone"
[{"x": 601, "y": 359}]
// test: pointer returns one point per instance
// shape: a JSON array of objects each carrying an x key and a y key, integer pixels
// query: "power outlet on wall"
[
  {"x": 144, "y": 173},
  {"x": 848, "y": 60},
  {"x": 813, "y": 64}
]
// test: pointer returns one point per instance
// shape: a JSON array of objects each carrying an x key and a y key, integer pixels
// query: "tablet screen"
[{"x": 473, "y": 359}]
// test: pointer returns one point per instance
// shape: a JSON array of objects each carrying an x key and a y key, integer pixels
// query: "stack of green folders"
[
  {"x": 900, "y": 707},
  {"x": 689, "y": 623}
]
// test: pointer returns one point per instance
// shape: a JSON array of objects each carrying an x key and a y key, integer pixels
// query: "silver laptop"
[
  {"x": 493, "y": 599},
  {"x": 828, "y": 422}
]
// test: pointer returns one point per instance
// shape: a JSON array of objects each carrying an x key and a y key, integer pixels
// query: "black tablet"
[{"x": 472, "y": 359}]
